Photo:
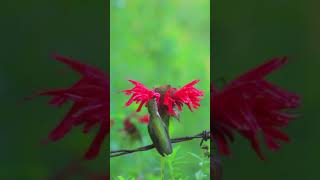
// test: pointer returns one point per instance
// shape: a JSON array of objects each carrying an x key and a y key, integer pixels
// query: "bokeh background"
[
  {"x": 245, "y": 34},
  {"x": 158, "y": 43},
  {"x": 30, "y": 32}
]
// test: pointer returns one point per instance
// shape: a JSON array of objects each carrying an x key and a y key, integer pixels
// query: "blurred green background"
[
  {"x": 30, "y": 32},
  {"x": 245, "y": 34},
  {"x": 157, "y": 43}
]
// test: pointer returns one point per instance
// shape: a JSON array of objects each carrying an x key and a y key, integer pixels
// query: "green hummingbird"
[
  {"x": 163, "y": 111},
  {"x": 158, "y": 130}
]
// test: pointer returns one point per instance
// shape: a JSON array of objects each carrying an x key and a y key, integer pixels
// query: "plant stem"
[{"x": 162, "y": 166}]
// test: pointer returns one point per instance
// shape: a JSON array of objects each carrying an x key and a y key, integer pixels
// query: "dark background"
[
  {"x": 30, "y": 32},
  {"x": 245, "y": 34}
]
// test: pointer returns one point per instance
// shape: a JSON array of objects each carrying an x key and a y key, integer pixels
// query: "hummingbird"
[
  {"x": 158, "y": 130},
  {"x": 163, "y": 110}
]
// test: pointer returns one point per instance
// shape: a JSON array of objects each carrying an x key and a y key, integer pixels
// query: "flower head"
[
  {"x": 167, "y": 97},
  {"x": 140, "y": 94},
  {"x": 131, "y": 130},
  {"x": 188, "y": 95},
  {"x": 251, "y": 105},
  {"x": 90, "y": 107},
  {"x": 144, "y": 119}
]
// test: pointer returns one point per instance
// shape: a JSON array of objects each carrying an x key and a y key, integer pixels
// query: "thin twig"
[{"x": 205, "y": 135}]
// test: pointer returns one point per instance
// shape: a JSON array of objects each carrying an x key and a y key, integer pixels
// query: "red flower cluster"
[
  {"x": 188, "y": 95},
  {"x": 249, "y": 105},
  {"x": 90, "y": 99},
  {"x": 144, "y": 119},
  {"x": 140, "y": 94},
  {"x": 131, "y": 129}
]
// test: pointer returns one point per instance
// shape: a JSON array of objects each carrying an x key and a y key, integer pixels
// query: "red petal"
[{"x": 97, "y": 142}]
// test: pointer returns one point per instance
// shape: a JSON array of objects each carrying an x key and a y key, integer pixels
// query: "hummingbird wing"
[
  {"x": 160, "y": 136},
  {"x": 166, "y": 120}
]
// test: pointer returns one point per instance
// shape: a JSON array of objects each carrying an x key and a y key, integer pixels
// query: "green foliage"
[{"x": 158, "y": 43}]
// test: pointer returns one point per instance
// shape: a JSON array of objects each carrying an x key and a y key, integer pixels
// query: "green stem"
[
  {"x": 170, "y": 169},
  {"x": 162, "y": 166}
]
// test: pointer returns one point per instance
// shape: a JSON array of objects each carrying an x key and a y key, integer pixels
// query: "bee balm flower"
[
  {"x": 188, "y": 95},
  {"x": 251, "y": 105},
  {"x": 166, "y": 96},
  {"x": 140, "y": 94},
  {"x": 90, "y": 107}
]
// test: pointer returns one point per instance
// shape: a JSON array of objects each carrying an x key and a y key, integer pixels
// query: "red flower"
[
  {"x": 131, "y": 129},
  {"x": 250, "y": 105},
  {"x": 186, "y": 95},
  {"x": 90, "y": 99},
  {"x": 170, "y": 98},
  {"x": 144, "y": 119},
  {"x": 140, "y": 94},
  {"x": 128, "y": 125}
]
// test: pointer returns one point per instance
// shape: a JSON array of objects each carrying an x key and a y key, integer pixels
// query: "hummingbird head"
[{"x": 162, "y": 89}]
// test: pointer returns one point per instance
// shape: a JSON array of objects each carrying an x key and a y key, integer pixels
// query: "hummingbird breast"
[{"x": 160, "y": 136}]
